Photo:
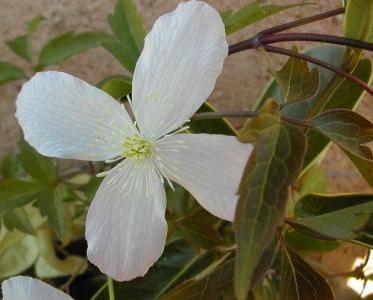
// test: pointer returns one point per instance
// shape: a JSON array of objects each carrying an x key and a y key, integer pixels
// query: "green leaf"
[
  {"x": 338, "y": 217},
  {"x": 300, "y": 281},
  {"x": 214, "y": 126},
  {"x": 349, "y": 130},
  {"x": 36, "y": 165},
  {"x": 18, "y": 219},
  {"x": 10, "y": 72},
  {"x": 68, "y": 44},
  {"x": 34, "y": 24},
  {"x": 21, "y": 46},
  {"x": 127, "y": 25},
  {"x": 15, "y": 193},
  {"x": 274, "y": 164},
  {"x": 117, "y": 86},
  {"x": 358, "y": 20},
  {"x": 49, "y": 265},
  {"x": 215, "y": 282},
  {"x": 18, "y": 253},
  {"x": 51, "y": 205},
  {"x": 250, "y": 14},
  {"x": 297, "y": 82},
  {"x": 11, "y": 167}
]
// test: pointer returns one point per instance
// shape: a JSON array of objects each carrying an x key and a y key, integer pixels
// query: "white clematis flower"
[
  {"x": 62, "y": 116},
  {"x": 27, "y": 288}
]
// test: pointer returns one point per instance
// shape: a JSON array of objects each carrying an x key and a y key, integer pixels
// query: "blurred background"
[{"x": 244, "y": 76}]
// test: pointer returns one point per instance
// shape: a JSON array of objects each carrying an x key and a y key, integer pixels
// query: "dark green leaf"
[
  {"x": 338, "y": 217},
  {"x": 117, "y": 86},
  {"x": 92, "y": 186},
  {"x": 10, "y": 72},
  {"x": 297, "y": 81},
  {"x": 349, "y": 130},
  {"x": 214, "y": 282},
  {"x": 126, "y": 23},
  {"x": 15, "y": 193},
  {"x": 358, "y": 20},
  {"x": 304, "y": 243},
  {"x": 11, "y": 167},
  {"x": 250, "y": 14},
  {"x": 38, "y": 166},
  {"x": 214, "y": 126},
  {"x": 51, "y": 205},
  {"x": 274, "y": 164},
  {"x": 68, "y": 44},
  {"x": 299, "y": 281},
  {"x": 21, "y": 46},
  {"x": 18, "y": 219}
]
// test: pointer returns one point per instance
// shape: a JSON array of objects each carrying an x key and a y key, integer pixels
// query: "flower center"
[{"x": 137, "y": 147}]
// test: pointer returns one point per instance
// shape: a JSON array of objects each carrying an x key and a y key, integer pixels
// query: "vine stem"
[
  {"x": 111, "y": 288},
  {"x": 243, "y": 114},
  {"x": 321, "y": 63}
]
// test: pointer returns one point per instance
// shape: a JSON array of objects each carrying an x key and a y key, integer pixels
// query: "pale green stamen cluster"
[{"x": 137, "y": 147}]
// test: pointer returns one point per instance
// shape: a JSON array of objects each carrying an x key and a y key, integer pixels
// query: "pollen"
[{"x": 137, "y": 147}]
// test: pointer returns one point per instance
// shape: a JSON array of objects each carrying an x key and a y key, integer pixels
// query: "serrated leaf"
[
  {"x": 15, "y": 193},
  {"x": 297, "y": 81},
  {"x": 338, "y": 217},
  {"x": 299, "y": 281},
  {"x": 213, "y": 283},
  {"x": 117, "y": 86},
  {"x": 11, "y": 167},
  {"x": 350, "y": 131},
  {"x": 250, "y": 14},
  {"x": 213, "y": 126},
  {"x": 49, "y": 265},
  {"x": 18, "y": 219},
  {"x": 21, "y": 46},
  {"x": 10, "y": 72},
  {"x": 68, "y": 44},
  {"x": 274, "y": 164},
  {"x": 51, "y": 205},
  {"x": 127, "y": 25},
  {"x": 38, "y": 166},
  {"x": 358, "y": 20}
]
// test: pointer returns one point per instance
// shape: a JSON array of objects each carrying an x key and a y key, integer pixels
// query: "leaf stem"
[
  {"x": 111, "y": 288},
  {"x": 321, "y": 63},
  {"x": 99, "y": 291},
  {"x": 304, "y": 21},
  {"x": 315, "y": 37},
  {"x": 243, "y": 114}
]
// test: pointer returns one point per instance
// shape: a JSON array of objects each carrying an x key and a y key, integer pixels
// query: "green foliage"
[
  {"x": 18, "y": 219},
  {"x": 250, "y": 14},
  {"x": 127, "y": 26},
  {"x": 21, "y": 45},
  {"x": 11, "y": 167},
  {"x": 349, "y": 131},
  {"x": 68, "y": 44},
  {"x": 297, "y": 82},
  {"x": 36, "y": 165},
  {"x": 274, "y": 164},
  {"x": 338, "y": 217},
  {"x": 117, "y": 86},
  {"x": 358, "y": 20},
  {"x": 300, "y": 281},
  {"x": 10, "y": 72}
]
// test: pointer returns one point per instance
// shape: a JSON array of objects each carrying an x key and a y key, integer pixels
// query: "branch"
[
  {"x": 314, "y": 37},
  {"x": 243, "y": 114}
]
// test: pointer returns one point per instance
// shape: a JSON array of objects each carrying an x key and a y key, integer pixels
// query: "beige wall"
[{"x": 244, "y": 74}]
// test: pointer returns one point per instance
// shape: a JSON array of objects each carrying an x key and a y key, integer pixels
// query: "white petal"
[
  {"x": 209, "y": 166},
  {"x": 183, "y": 56},
  {"x": 27, "y": 288},
  {"x": 126, "y": 228},
  {"x": 63, "y": 116}
]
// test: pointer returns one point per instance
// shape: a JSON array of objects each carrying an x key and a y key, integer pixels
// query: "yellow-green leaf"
[{"x": 358, "y": 20}]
